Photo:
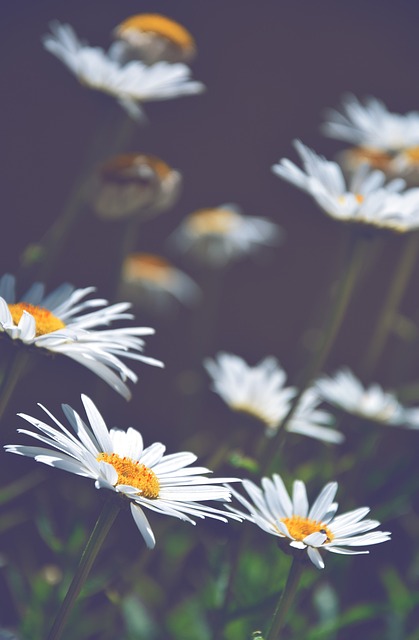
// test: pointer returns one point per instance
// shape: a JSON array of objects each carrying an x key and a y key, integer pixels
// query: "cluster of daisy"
[{"x": 147, "y": 62}]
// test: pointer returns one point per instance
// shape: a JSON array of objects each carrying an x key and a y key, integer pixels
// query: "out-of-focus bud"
[
  {"x": 151, "y": 38},
  {"x": 151, "y": 281},
  {"x": 135, "y": 184}
]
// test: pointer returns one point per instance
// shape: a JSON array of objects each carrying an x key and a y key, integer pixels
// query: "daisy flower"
[
  {"x": 365, "y": 200},
  {"x": 222, "y": 234},
  {"x": 131, "y": 84},
  {"x": 260, "y": 391},
  {"x": 346, "y": 392},
  {"x": 59, "y": 323},
  {"x": 315, "y": 529},
  {"x": 135, "y": 184},
  {"x": 151, "y": 280},
  {"x": 118, "y": 461},
  {"x": 153, "y": 37}
]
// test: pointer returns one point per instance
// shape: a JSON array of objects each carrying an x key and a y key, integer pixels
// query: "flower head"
[
  {"x": 346, "y": 392},
  {"x": 315, "y": 529},
  {"x": 222, "y": 234},
  {"x": 151, "y": 280},
  {"x": 59, "y": 323},
  {"x": 131, "y": 84},
  {"x": 117, "y": 460},
  {"x": 261, "y": 392},
  {"x": 365, "y": 200},
  {"x": 135, "y": 184},
  {"x": 153, "y": 37},
  {"x": 385, "y": 140}
]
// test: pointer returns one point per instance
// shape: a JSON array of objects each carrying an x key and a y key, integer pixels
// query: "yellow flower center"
[
  {"x": 358, "y": 197},
  {"x": 134, "y": 474},
  {"x": 412, "y": 154},
  {"x": 299, "y": 528},
  {"x": 161, "y": 26},
  {"x": 374, "y": 157},
  {"x": 145, "y": 266},
  {"x": 45, "y": 321},
  {"x": 126, "y": 167},
  {"x": 216, "y": 221}
]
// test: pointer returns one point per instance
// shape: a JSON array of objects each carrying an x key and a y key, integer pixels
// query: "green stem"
[
  {"x": 99, "y": 533},
  {"x": 391, "y": 304},
  {"x": 333, "y": 323},
  {"x": 12, "y": 377},
  {"x": 285, "y": 600}
]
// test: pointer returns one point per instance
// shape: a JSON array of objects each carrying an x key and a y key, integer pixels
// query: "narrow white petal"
[{"x": 143, "y": 525}]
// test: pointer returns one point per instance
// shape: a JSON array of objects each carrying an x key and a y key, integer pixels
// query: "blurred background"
[{"x": 271, "y": 69}]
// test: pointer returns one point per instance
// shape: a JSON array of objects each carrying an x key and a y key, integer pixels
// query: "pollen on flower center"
[
  {"x": 217, "y": 221},
  {"x": 299, "y": 527},
  {"x": 134, "y": 168},
  {"x": 133, "y": 473},
  {"x": 412, "y": 154},
  {"x": 146, "y": 266},
  {"x": 45, "y": 321},
  {"x": 161, "y": 26}
]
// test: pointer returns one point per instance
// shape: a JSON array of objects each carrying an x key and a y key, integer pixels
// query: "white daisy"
[
  {"x": 261, "y": 392},
  {"x": 131, "y": 84},
  {"x": 365, "y": 200},
  {"x": 118, "y": 461},
  {"x": 59, "y": 323},
  {"x": 153, "y": 37},
  {"x": 222, "y": 234},
  {"x": 385, "y": 140},
  {"x": 272, "y": 509},
  {"x": 151, "y": 281},
  {"x": 346, "y": 392},
  {"x": 135, "y": 184}
]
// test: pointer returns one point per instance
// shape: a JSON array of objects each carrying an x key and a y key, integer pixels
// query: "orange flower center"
[
  {"x": 134, "y": 474},
  {"x": 216, "y": 221},
  {"x": 45, "y": 321},
  {"x": 412, "y": 154},
  {"x": 161, "y": 26},
  {"x": 299, "y": 527},
  {"x": 126, "y": 167},
  {"x": 377, "y": 159},
  {"x": 145, "y": 266}
]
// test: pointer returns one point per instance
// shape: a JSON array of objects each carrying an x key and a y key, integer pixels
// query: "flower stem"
[
  {"x": 99, "y": 533},
  {"x": 333, "y": 323},
  {"x": 11, "y": 378},
  {"x": 391, "y": 304},
  {"x": 285, "y": 600}
]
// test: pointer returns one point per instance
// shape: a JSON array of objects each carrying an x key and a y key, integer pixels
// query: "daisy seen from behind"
[
  {"x": 118, "y": 461},
  {"x": 220, "y": 235},
  {"x": 312, "y": 529},
  {"x": 345, "y": 391},
  {"x": 131, "y": 84},
  {"x": 365, "y": 200},
  {"x": 260, "y": 391},
  {"x": 385, "y": 140},
  {"x": 65, "y": 322}
]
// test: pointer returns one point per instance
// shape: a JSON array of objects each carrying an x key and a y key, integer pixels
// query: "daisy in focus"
[
  {"x": 118, "y": 461},
  {"x": 346, "y": 392},
  {"x": 366, "y": 200},
  {"x": 62, "y": 323},
  {"x": 385, "y": 140},
  {"x": 220, "y": 235},
  {"x": 135, "y": 184},
  {"x": 150, "y": 280},
  {"x": 260, "y": 391},
  {"x": 314, "y": 529},
  {"x": 153, "y": 37},
  {"x": 131, "y": 84}
]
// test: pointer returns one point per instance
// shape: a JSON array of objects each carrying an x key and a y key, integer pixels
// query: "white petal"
[{"x": 143, "y": 525}]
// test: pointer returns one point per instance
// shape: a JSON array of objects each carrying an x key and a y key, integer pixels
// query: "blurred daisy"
[
  {"x": 59, "y": 323},
  {"x": 118, "y": 461},
  {"x": 150, "y": 280},
  {"x": 153, "y": 37},
  {"x": 346, "y": 392},
  {"x": 260, "y": 391},
  {"x": 385, "y": 140},
  {"x": 365, "y": 200},
  {"x": 131, "y": 84},
  {"x": 315, "y": 529},
  {"x": 135, "y": 184},
  {"x": 220, "y": 235}
]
